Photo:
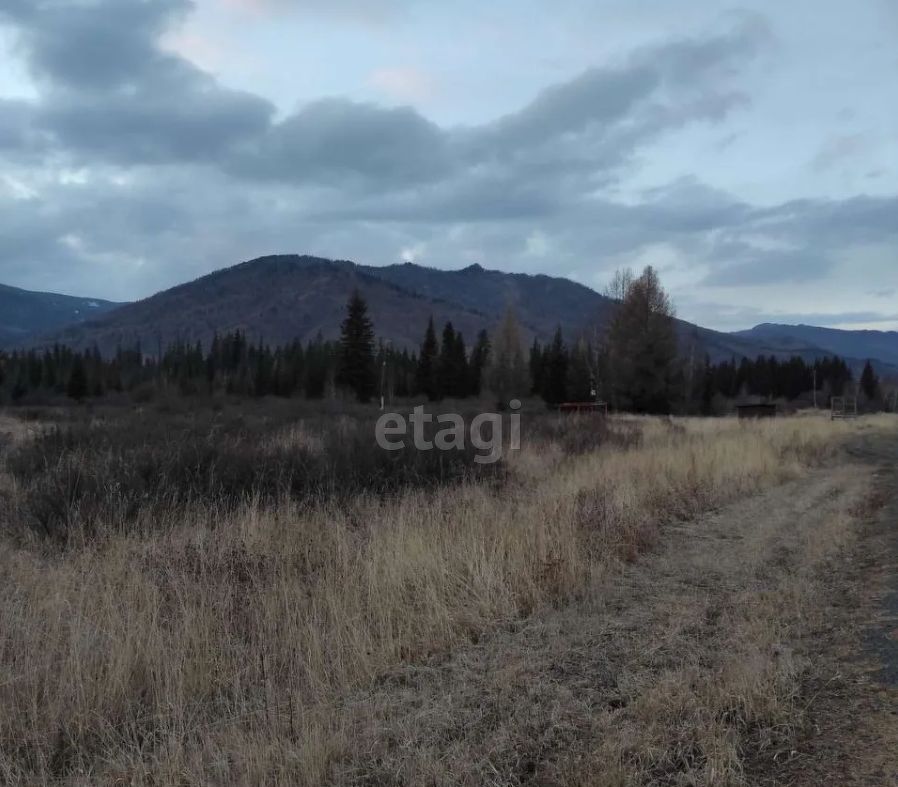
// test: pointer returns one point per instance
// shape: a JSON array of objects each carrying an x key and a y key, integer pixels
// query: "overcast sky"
[{"x": 748, "y": 151}]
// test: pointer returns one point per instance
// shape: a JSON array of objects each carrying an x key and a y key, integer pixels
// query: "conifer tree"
[
  {"x": 461, "y": 371},
  {"x": 356, "y": 365},
  {"x": 537, "y": 369},
  {"x": 446, "y": 371},
  {"x": 869, "y": 382},
  {"x": 556, "y": 370},
  {"x": 428, "y": 360},
  {"x": 316, "y": 368},
  {"x": 452, "y": 368},
  {"x": 580, "y": 378},
  {"x": 480, "y": 357},
  {"x": 77, "y": 386}
]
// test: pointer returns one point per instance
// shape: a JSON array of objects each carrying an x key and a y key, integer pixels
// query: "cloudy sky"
[{"x": 748, "y": 151}]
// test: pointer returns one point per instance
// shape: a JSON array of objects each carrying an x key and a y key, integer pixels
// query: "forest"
[{"x": 636, "y": 365}]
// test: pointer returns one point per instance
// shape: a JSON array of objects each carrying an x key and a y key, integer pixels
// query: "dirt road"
[
  {"x": 851, "y": 732},
  {"x": 755, "y": 645}
]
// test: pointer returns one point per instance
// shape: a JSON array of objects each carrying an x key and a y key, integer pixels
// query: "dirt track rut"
[{"x": 744, "y": 650}]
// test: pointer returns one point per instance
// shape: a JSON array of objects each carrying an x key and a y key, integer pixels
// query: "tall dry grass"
[{"x": 221, "y": 650}]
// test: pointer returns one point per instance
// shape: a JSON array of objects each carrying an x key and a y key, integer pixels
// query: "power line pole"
[{"x": 383, "y": 374}]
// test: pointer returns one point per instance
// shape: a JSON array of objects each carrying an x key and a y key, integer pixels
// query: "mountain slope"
[
  {"x": 880, "y": 345},
  {"x": 23, "y": 313},
  {"x": 541, "y": 303},
  {"x": 280, "y": 298},
  {"x": 273, "y": 299}
]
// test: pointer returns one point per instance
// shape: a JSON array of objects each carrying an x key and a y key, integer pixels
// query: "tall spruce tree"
[
  {"x": 555, "y": 371},
  {"x": 452, "y": 369},
  {"x": 461, "y": 372},
  {"x": 869, "y": 382},
  {"x": 77, "y": 385},
  {"x": 537, "y": 368},
  {"x": 356, "y": 365},
  {"x": 446, "y": 371},
  {"x": 580, "y": 377},
  {"x": 480, "y": 357},
  {"x": 428, "y": 362}
]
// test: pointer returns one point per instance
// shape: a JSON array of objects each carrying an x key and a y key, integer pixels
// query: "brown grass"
[{"x": 224, "y": 652}]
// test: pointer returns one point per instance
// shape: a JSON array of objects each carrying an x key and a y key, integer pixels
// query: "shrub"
[{"x": 91, "y": 472}]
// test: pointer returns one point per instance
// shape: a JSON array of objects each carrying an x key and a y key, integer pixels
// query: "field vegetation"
[{"x": 197, "y": 596}]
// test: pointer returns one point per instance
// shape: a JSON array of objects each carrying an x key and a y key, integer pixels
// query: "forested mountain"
[
  {"x": 23, "y": 312},
  {"x": 279, "y": 299},
  {"x": 282, "y": 298},
  {"x": 879, "y": 345}
]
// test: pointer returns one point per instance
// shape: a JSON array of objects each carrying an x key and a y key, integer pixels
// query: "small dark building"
[{"x": 756, "y": 410}]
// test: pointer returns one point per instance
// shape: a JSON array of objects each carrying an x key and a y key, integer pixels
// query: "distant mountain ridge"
[
  {"x": 879, "y": 345},
  {"x": 280, "y": 298},
  {"x": 277, "y": 299},
  {"x": 23, "y": 312}
]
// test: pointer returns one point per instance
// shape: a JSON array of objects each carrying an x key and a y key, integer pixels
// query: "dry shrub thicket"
[{"x": 160, "y": 628}]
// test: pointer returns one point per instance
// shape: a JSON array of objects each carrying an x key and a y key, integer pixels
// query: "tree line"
[{"x": 633, "y": 363}]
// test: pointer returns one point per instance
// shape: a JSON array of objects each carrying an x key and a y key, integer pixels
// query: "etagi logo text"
[{"x": 484, "y": 432}]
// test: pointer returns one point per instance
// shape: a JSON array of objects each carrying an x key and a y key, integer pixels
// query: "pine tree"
[
  {"x": 77, "y": 386},
  {"x": 556, "y": 369},
  {"x": 428, "y": 360},
  {"x": 447, "y": 374},
  {"x": 480, "y": 357},
  {"x": 537, "y": 369},
  {"x": 707, "y": 387},
  {"x": 452, "y": 366},
  {"x": 356, "y": 365},
  {"x": 870, "y": 382},
  {"x": 462, "y": 372},
  {"x": 264, "y": 372},
  {"x": 580, "y": 383},
  {"x": 316, "y": 368}
]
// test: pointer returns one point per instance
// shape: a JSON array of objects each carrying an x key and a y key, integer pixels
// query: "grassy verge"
[{"x": 218, "y": 648}]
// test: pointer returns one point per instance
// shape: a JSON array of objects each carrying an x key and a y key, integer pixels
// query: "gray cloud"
[
  {"x": 94, "y": 46},
  {"x": 339, "y": 141},
  {"x": 597, "y": 96},
  {"x": 736, "y": 264},
  {"x": 348, "y": 179},
  {"x": 170, "y": 224},
  {"x": 798, "y": 241},
  {"x": 16, "y": 125},
  {"x": 193, "y": 121},
  {"x": 111, "y": 95},
  {"x": 838, "y": 150}
]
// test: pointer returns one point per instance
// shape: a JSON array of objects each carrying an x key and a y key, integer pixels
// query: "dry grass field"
[{"x": 623, "y": 607}]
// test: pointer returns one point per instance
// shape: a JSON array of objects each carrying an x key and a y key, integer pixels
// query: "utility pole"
[
  {"x": 815, "y": 387},
  {"x": 383, "y": 374}
]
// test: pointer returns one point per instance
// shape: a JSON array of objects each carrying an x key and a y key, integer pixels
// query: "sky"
[{"x": 748, "y": 151}]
